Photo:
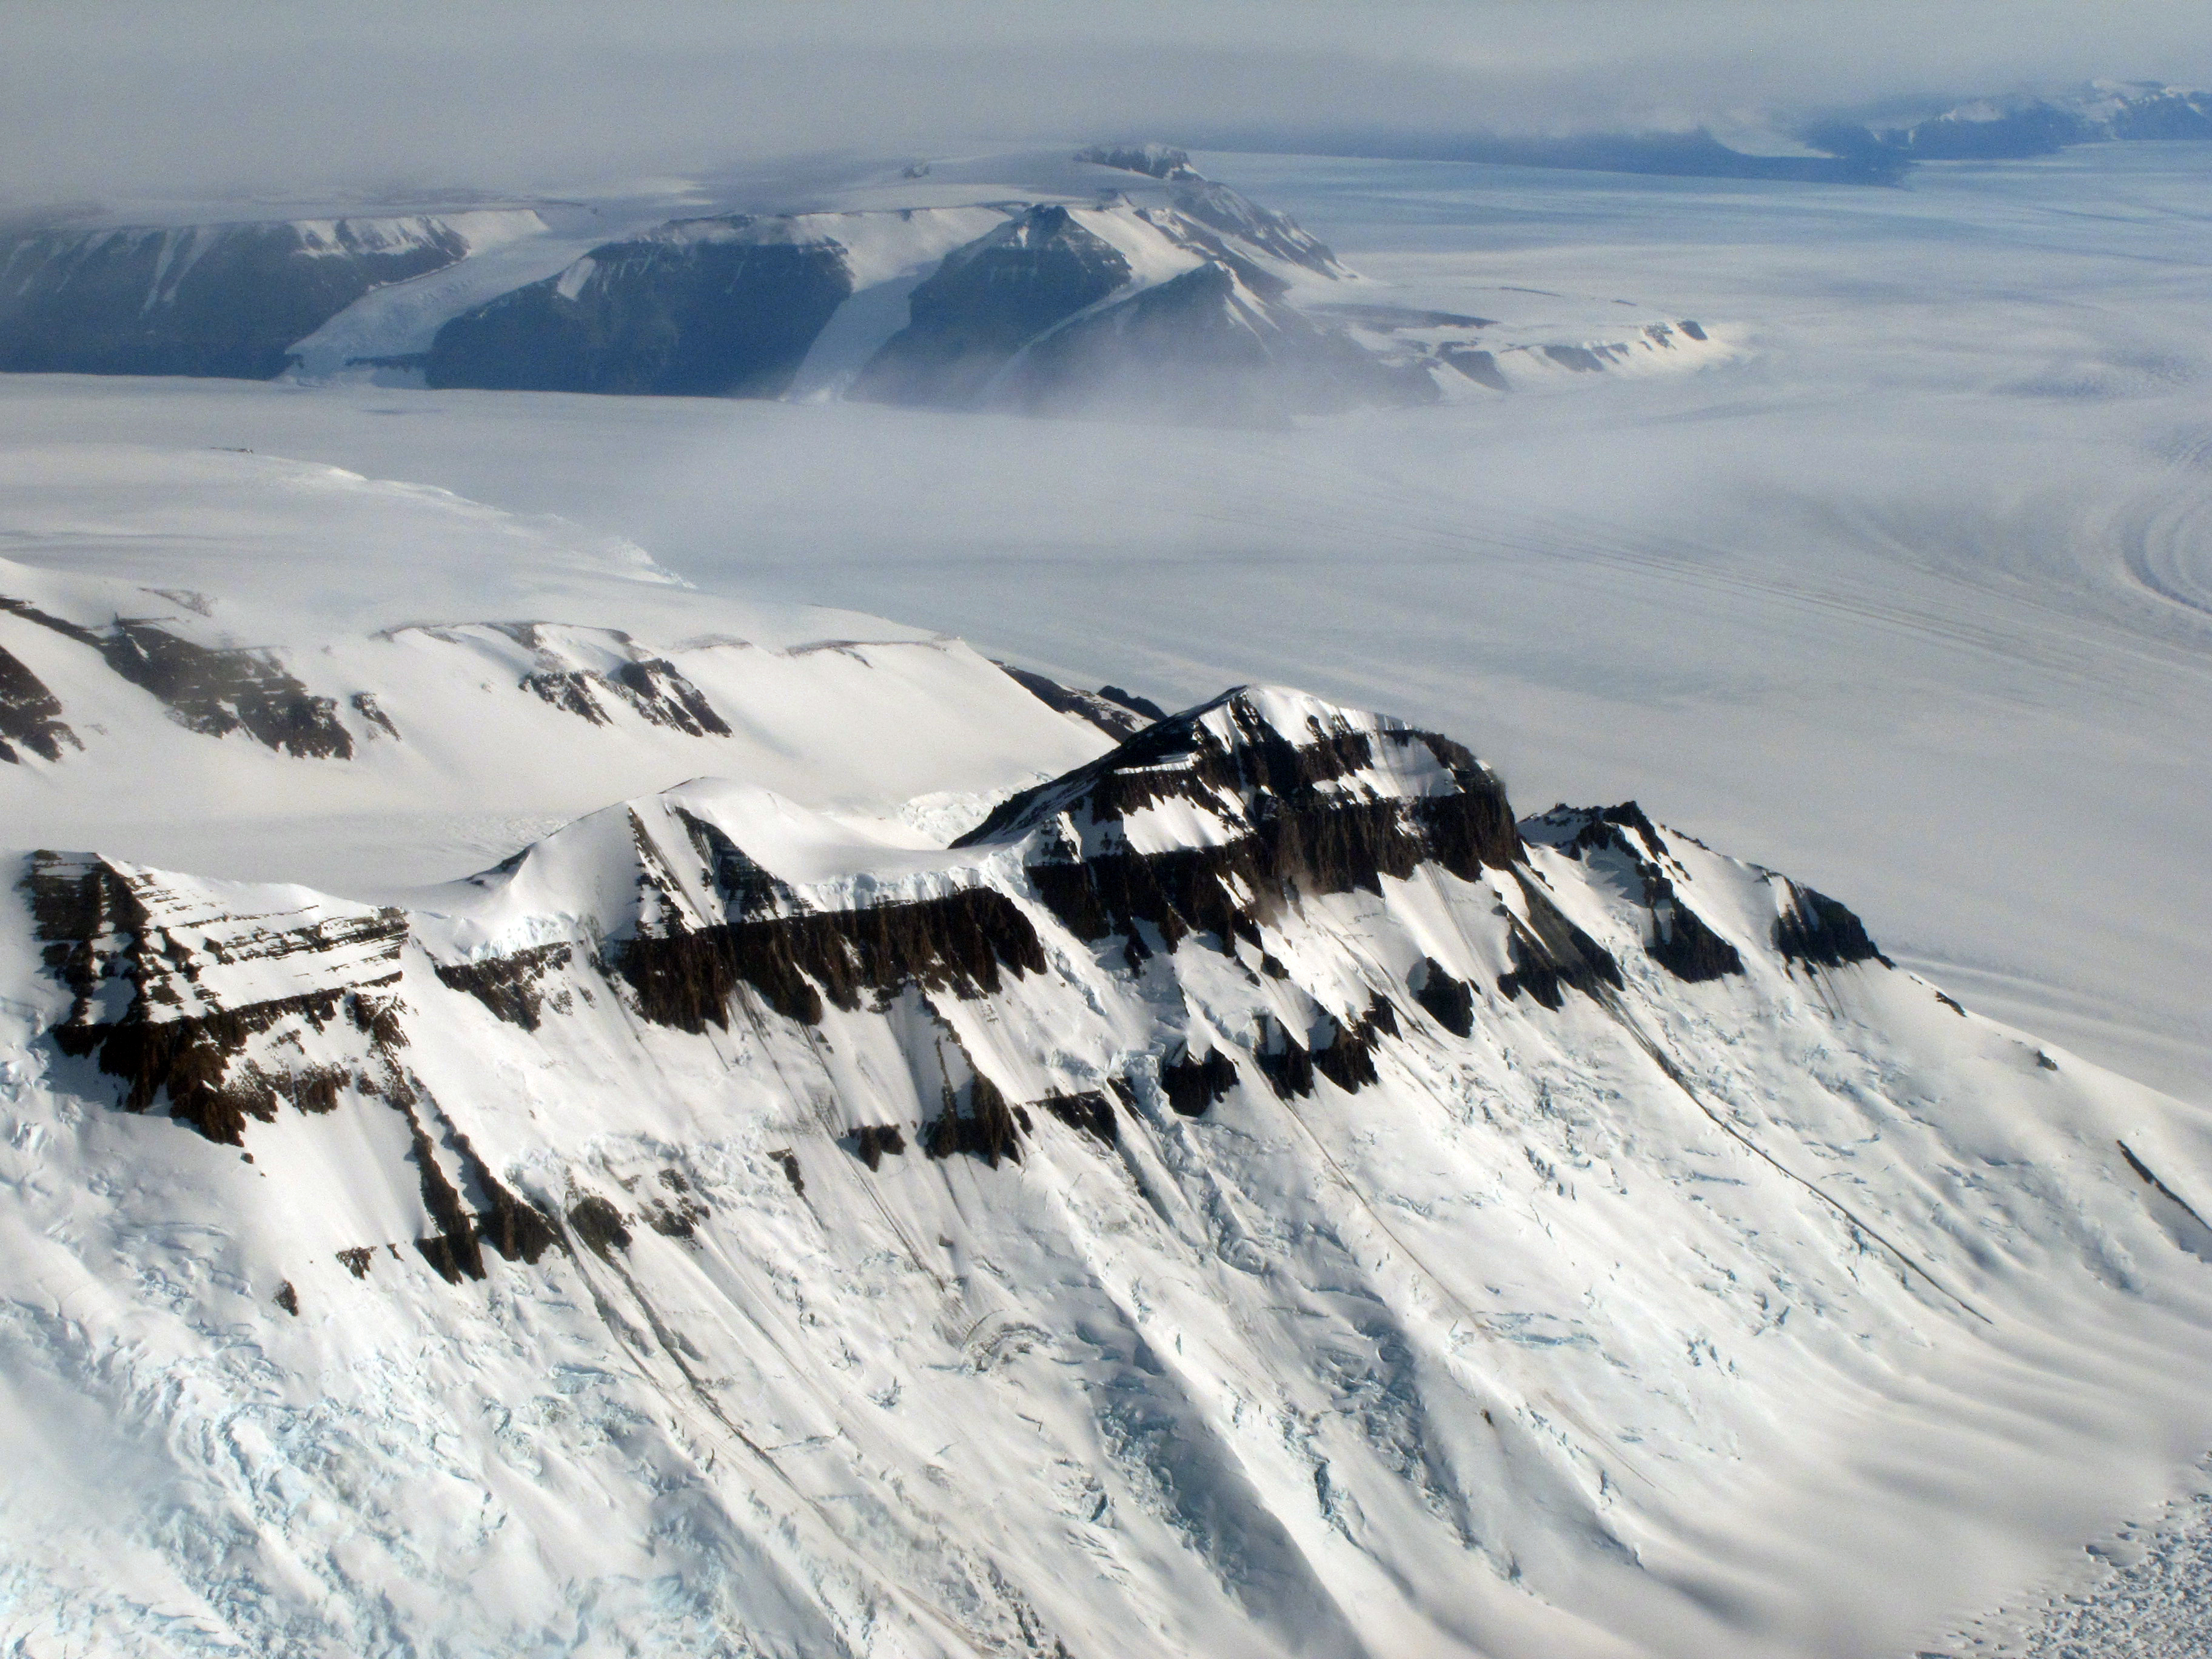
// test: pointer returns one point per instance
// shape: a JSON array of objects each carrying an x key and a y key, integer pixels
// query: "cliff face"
[
  {"x": 723, "y": 307},
  {"x": 221, "y": 300},
  {"x": 986, "y": 301},
  {"x": 1120, "y": 285},
  {"x": 1054, "y": 307}
]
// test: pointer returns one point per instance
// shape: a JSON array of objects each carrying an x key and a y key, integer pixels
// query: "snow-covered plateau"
[{"x": 559, "y": 1096}]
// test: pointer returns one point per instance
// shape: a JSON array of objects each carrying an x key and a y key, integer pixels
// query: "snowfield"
[{"x": 564, "y": 1088}]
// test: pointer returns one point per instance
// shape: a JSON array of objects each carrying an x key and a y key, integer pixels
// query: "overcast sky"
[{"x": 117, "y": 98}]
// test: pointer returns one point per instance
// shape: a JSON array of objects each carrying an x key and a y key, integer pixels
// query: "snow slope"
[
  {"x": 1246, "y": 1196},
  {"x": 226, "y": 297},
  {"x": 265, "y": 667}
]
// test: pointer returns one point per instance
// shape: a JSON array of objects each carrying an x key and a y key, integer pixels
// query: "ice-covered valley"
[{"x": 561, "y": 1098}]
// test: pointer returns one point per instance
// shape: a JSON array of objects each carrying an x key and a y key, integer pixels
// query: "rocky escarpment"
[
  {"x": 223, "y": 299},
  {"x": 989, "y": 300},
  {"x": 30, "y": 715},
  {"x": 1217, "y": 831},
  {"x": 212, "y": 691},
  {"x": 718, "y": 308},
  {"x": 1174, "y": 305}
]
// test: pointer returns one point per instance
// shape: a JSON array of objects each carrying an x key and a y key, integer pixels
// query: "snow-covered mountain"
[
  {"x": 2026, "y": 124},
  {"x": 1245, "y": 1192},
  {"x": 1174, "y": 300},
  {"x": 1120, "y": 281},
  {"x": 220, "y": 298}
]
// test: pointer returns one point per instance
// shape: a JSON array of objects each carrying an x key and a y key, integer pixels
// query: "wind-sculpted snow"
[{"x": 1247, "y": 1196}]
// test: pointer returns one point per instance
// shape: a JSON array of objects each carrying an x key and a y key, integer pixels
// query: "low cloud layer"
[{"x": 115, "y": 99}]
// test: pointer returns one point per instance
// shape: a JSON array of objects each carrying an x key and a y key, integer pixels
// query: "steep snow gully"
[{"x": 1248, "y": 1194}]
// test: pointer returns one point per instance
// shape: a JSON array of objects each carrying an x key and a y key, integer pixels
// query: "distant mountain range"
[
  {"x": 1118, "y": 282},
  {"x": 1875, "y": 146},
  {"x": 2021, "y": 125}
]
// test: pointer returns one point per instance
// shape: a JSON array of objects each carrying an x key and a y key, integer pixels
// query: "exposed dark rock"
[
  {"x": 453, "y": 1249},
  {"x": 287, "y": 1298},
  {"x": 366, "y": 706},
  {"x": 1144, "y": 706},
  {"x": 1090, "y": 1112},
  {"x": 1157, "y": 160},
  {"x": 67, "y": 630},
  {"x": 654, "y": 686},
  {"x": 1694, "y": 330},
  {"x": 1953, "y": 1004},
  {"x": 678, "y": 1215},
  {"x": 871, "y": 1141},
  {"x": 987, "y": 301},
  {"x": 94, "y": 927},
  {"x": 788, "y": 1161},
  {"x": 1678, "y": 939},
  {"x": 190, "y": 1061},
  {"x": 517, "y": 1229},
  {"x": 1345, "y": 1054},
  {"x": 701, "y": 309},
  {"x": 1449, "y": 1001},
  {"x": 208, "y": 691},
  {"x": 1304, "y": 839},
  {"x": 988, "y": 1129},
  {"x": 599, "y": 1224},
  {"x": 959, "y": 943},
  {"x": 358, "y": 1259},
  {"x": 212, "y": 299},
  {"x": 1286, "y": 1063},
  {"x": 30, "y": 715},
  {"x": 1685, "y": 946},
  {"x": 1115, "y": 716},
  {"x": 1480, "y": 367},
  {"x": 509, "y": 985},
  {"x": 1192, "y": 1085},
  {"x": 217, "y": 692},
  {"x": 1815, "y": 929},
  {"x": 1550, "y": 953},
  {"x": 745, "y": 886}
]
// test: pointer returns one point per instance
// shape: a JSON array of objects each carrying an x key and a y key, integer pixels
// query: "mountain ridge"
[{"x": 1189, "y": 1020}]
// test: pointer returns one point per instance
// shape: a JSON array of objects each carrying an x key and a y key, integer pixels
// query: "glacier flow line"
[
  {"x": 925, "y": 1611},
  {"x": 1441, "y": 1286},
  {"x": 1675, "y": 1074}
]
